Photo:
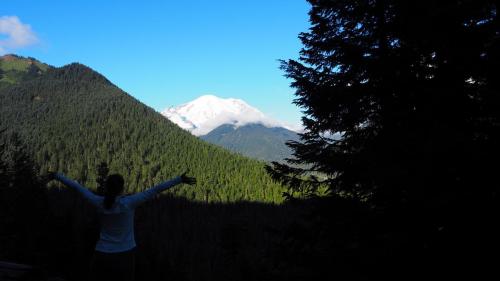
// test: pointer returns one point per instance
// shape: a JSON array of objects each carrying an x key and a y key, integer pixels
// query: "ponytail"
[{"x": 113, "y": 187}]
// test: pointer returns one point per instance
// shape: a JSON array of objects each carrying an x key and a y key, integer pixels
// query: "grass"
[
  {"x": 15, "y": 63},
  {"x": 13, "y": 68}
]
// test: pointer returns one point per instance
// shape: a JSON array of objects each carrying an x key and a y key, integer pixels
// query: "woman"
[{"x": 114, "y": 252}]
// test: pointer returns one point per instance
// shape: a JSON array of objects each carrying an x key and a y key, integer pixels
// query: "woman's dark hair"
[{"x": 112, "y": 188}]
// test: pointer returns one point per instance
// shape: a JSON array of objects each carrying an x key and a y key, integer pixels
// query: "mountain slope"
[
  {"x": 73, "y": 118},
  {"x": 208, "y": 112},
  {"x": 254, "y": 140},
  {"x": 15, "y": 69}
]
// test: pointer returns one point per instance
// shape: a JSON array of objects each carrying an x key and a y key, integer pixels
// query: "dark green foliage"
[
  {"x": 254, "y": 140},
  {"x": 406, "y": 85},
  {"x": 411, "y": 88},
  {"x": 73, "y": 118}
]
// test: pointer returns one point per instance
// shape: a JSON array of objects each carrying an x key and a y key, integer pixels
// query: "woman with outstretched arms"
[{"x": 114, "y": 252}]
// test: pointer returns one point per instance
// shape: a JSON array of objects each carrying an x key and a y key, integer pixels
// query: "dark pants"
[{"x": 113, "y": 266}]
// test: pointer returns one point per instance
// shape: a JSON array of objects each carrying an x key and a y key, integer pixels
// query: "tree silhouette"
[
  {"x": 401, "y": 111},
  {"x": 408, "y": 87},
  {"x": 23, "y": 205}
]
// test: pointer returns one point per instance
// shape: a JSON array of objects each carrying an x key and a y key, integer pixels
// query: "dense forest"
[
  {"x": 182, "y": 239},
  {"x": 72, "y": 119},
  {"x": 254, "y": 140}
]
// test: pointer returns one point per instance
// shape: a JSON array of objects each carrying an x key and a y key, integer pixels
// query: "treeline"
[{"x": 73, "y": 118}]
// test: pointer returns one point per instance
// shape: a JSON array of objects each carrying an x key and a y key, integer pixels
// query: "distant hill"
[
  {"x": 72, "y": 118},
  {"x": 254, "y": 140}
]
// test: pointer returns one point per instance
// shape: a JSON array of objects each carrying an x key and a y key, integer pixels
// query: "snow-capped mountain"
[{"x": 208, "y": 112}]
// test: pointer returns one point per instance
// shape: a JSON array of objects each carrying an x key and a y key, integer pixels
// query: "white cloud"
[{"x": 16, "y": 33}]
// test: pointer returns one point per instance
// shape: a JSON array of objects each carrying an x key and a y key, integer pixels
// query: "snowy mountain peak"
[{"x": 208, "y": 112}]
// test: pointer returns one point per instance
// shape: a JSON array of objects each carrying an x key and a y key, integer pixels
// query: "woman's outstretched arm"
[
  {"x": 87, "y": 194},
  {"x": 138, "y": 198}
]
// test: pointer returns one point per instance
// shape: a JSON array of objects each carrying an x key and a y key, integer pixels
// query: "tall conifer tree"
[{"x": 409, "y": 88}]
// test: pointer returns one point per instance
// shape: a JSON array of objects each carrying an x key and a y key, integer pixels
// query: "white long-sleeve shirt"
[{"x": 117, "y": 223}]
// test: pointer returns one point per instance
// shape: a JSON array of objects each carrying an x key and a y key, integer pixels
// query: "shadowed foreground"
[
  {"x": 184, "y": 240},
  {"x": 55, "y": 231}
]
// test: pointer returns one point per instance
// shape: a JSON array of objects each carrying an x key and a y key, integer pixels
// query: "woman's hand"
[{"x": 188, "y": 180}]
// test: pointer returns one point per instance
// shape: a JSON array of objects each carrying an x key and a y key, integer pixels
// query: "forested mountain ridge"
[
  {"x": 254, "y": 140},
  {"x": 72, "y": 118}
]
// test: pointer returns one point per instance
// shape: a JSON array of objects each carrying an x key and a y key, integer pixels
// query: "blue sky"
[{"x": 166, "y": 53}]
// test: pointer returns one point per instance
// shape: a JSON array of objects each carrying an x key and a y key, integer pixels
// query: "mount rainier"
[
  {"x": 235, "y": 125},
  {"x": 208, "y": 112}
]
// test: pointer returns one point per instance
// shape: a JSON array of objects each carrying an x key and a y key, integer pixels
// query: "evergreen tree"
[
  {"x": 23, "y": 204},
  {"x": 410, "y": 89},
  {"x": 401, "y": 111}
]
